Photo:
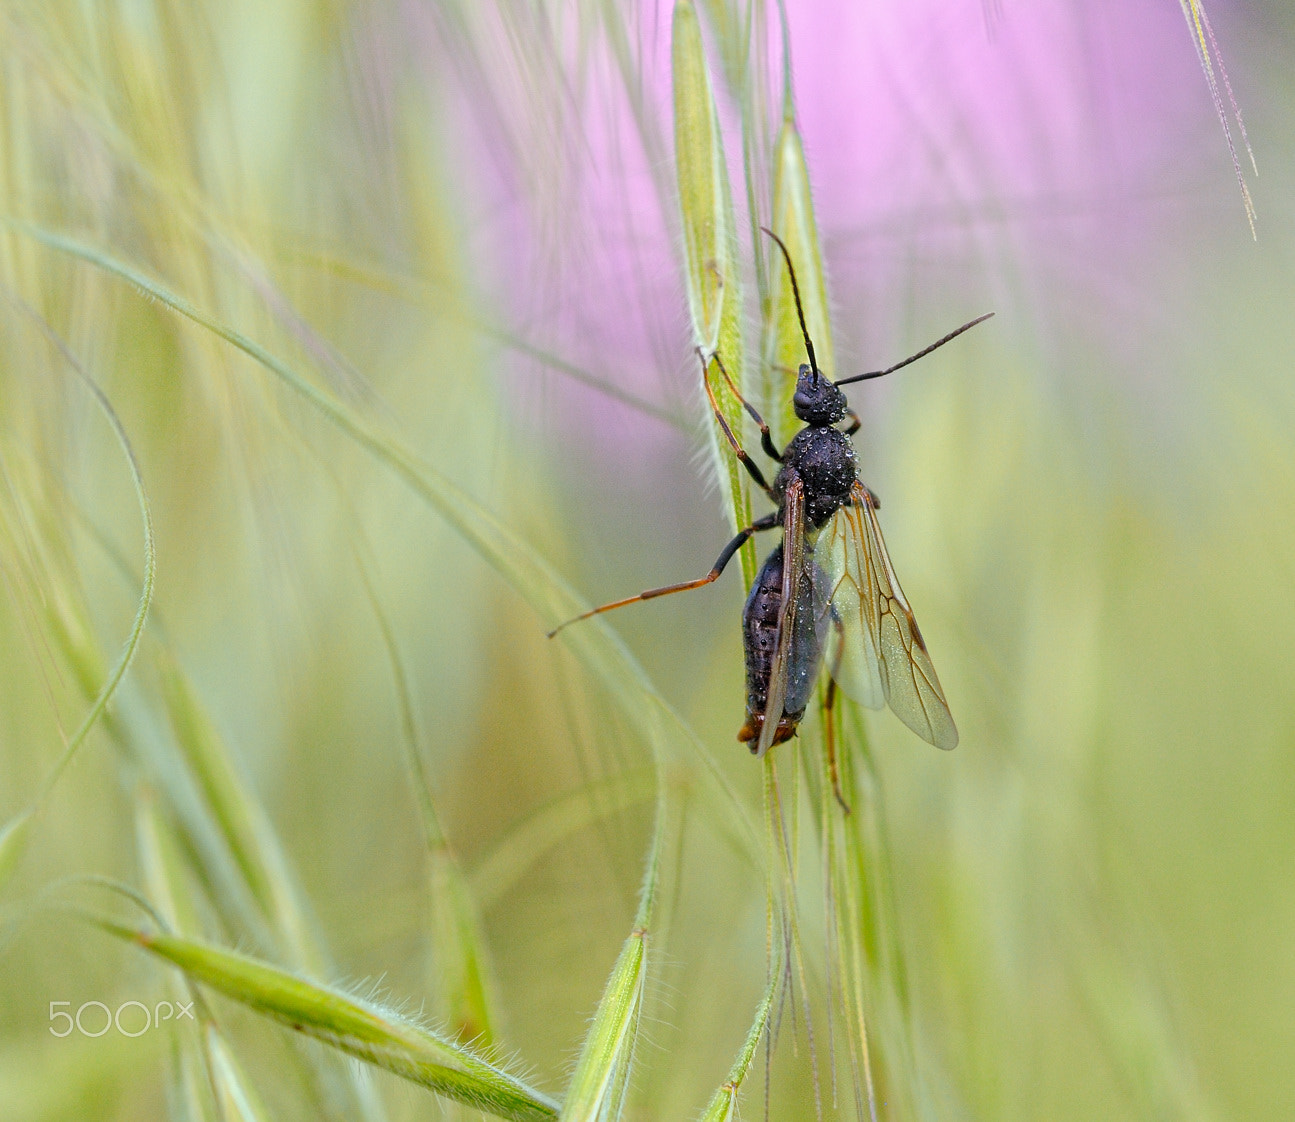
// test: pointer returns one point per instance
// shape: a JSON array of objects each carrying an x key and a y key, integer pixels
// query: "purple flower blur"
[
  {"x": 951, "y": 104},
  {"x": 973, "y": 141}
]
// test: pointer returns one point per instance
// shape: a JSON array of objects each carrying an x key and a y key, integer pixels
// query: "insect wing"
[
  {"x": 793, "y": 559},
  {"x": 854, "y": 603},
  {"x": 879, "y": 656},
  {"x": 807, "y": 641}
]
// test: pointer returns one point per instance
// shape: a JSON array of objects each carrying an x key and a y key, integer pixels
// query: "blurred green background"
[{"x": 457, "y": 220}]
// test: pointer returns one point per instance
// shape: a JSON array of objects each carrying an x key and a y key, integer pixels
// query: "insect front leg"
[
  {"x": 766, "y": 439},
  {"x": 768, "y": 522},
  {"x": 738, "y": 450}
]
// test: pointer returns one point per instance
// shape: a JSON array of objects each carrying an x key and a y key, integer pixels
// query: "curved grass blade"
[
  {"x": 236, "y": 1098},
  {"x": 360, "y": 1028},
  {"x": 431, "y": 294},
  {"x": 783, "y": 903},
  {"x": 513, "y": 854},
  {"x": 850, "y": 926},
  {"x": 118, "y": 671},
  {"x": 160, "y": 863},
  {"x": 711, "y": 271},
  {"x": 461, "y": 972},
  {"x": 241, "y": 820},
  {"x": 460, "y": 981},
  {"x": 604, "y": 657}
]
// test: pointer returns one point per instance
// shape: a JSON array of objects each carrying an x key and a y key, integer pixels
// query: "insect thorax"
[{"x": 825, "y": 461}]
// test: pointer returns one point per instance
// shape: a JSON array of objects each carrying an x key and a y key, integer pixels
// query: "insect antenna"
[
  {"x": 795, "y": 291},
  {"x": 913, "y": 358}
]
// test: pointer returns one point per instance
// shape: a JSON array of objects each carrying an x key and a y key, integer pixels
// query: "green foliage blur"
[{"x": 426, "y": 213}]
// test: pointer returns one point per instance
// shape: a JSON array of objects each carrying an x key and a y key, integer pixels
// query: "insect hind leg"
[
  {"x": 829, "y": 714},
  {"x": 768, "y": 522}
]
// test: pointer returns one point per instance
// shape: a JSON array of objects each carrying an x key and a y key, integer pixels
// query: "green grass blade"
[
  {"x": 783, "y": 900},
  {"x": 850, "y": 925},
  {"x": 357, "y": 1027},
  {"x": 460, "y": 978},
  {"x": 241, "y": 820},
  {"x": 608, "y": 1046},
  {"x": 711, "y": 269},
  {"x": 13, "y": 840},
  {"x": 461, "y": 973},
  {"x": 442, "y": 299},
  {"x": 118, "y": 671},
  {"x": 723, "y": 1104},
  {"x": 595, "y": 646},
  {"x": 205, "y": 1049},
  {"x": 868, "y": 956},
  {"x": 784, "y": 343},
  {"x": 160, "y": 864},
  {"x": 189, "y": 1093},
  {"x": 512, "y": 855},
  {"x": 236, "y": 1098},
  {"x": 597, "y": 1089}
]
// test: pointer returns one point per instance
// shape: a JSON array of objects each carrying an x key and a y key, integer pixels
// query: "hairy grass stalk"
[
  {"x": 359, "y": 1028},
  {"x": 712, "y": 274},
  {"x": 598, "y": 1087}
]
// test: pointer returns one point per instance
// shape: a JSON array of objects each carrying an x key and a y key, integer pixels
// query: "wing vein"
[{"x": 882, "y": 659}]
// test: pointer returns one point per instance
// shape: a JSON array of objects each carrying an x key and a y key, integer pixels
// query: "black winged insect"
[{"x": 828, "y": 588}]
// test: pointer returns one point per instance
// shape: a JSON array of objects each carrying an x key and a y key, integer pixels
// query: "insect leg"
[
  {"x": 768, "y": 522},
  {"x": 766, "y": 440},
  {"x": 829, "y": 715},
  {"x": 829, "y": 737},
  {"x": 854, "y": 425},
  {"x": 738, "y": 450}
]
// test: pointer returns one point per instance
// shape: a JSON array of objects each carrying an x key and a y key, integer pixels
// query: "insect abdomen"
[{"x": 760, "y": 638}]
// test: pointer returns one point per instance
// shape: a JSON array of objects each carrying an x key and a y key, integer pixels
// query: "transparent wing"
[
  {"x": 793, "y": 559},
  {"x": 813, "y": 620},
  {"x": 879, "y": 656},
  {"x": 854, "y": 659}
]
